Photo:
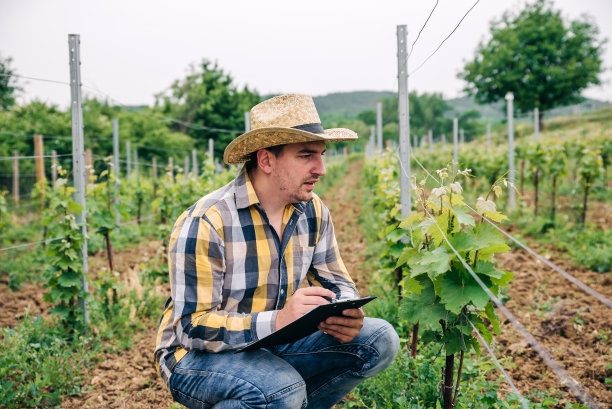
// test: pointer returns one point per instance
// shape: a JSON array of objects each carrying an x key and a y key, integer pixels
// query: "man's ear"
[{"x": 265, "y": 160}]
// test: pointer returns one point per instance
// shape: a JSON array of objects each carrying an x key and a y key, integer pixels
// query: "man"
[{"x": 250, "y": 258}]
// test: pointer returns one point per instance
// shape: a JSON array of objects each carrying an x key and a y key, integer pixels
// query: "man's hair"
[{"x": 252, "y": 162}]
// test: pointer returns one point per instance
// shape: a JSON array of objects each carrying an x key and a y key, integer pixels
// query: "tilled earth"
[{"x": 575, "y": 327}]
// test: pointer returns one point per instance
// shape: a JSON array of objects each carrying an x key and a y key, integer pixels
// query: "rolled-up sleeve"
[{"x": 197, "y": 270}]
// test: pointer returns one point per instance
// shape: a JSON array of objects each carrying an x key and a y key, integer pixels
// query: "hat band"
[{"x": 312, "y": 128}]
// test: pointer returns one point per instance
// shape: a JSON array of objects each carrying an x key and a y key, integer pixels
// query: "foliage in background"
[
  {"x": 539, "y": 58},
  {"x": 207, "y": 98},
  {"x": 8, "y": 86}
]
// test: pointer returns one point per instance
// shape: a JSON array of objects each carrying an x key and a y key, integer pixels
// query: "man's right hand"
[{"x": 302, "y": 301}]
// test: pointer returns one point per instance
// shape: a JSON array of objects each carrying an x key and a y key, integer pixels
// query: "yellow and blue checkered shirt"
[{"x": 230, "y": 272}]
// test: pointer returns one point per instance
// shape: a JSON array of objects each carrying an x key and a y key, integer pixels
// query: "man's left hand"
[{"x": 346, "y": 327}]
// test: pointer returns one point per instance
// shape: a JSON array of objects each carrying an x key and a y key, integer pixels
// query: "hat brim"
[{"x": 239, "y": 149}]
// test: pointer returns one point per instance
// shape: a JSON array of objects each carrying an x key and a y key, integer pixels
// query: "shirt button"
[{"x": 282, "y": 292}]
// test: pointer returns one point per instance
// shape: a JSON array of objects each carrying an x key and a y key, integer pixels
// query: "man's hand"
[
  {"x": 346, "y": 327},
  {"x": 302, "y": 301}
]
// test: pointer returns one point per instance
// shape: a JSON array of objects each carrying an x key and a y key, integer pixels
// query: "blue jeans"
[{"x": 314, "y": 372}]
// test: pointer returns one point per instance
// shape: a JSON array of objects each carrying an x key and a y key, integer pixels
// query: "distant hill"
[
  {"x": 497, "y": 111},
  {"x": 349, "y": 104}
]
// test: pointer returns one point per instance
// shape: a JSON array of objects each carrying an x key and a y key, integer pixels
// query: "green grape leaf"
[
  {"x": 487, "y": 268},
  {"x": 459, "y": 290},
  {"x": 411, "y": 286},
  {"x": 462, "y": 241},
  {"x": 407, "y": 254},
  {"x": 423, "y": 307},
  {"x": 487, "y": 253},
  {"x": 69, "y": 279},
  {"x": 414, "y": 217},
  {"x": 485, "y": 235},
  {"x": 484, "y": 331},
  {"x": 395, "y": 249},
  {"x": 463, "y": 216},
  {"x": 438, "y": 230},
  {"x": 453, "y": 341},
  {"x": 433, "y": 263},
  {"x": 395, "y": 235},
  {"x": 502, "y": 281},
  {"x": 491, "y": 315}
]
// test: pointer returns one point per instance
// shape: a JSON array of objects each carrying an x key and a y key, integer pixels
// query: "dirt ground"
[{"x": 573, "y": 326}]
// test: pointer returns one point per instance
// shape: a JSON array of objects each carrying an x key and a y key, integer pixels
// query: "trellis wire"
[
  {"x": 46, "y": 241},
  {"x": 33, "y": 156}
]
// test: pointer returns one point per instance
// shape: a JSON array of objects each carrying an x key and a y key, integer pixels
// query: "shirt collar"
[{"x": 246, "y": 195}]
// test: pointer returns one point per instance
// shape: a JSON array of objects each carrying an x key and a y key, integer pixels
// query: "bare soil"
[{"x": 575, "y": 327}]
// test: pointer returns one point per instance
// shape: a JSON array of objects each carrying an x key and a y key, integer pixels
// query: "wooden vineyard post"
[
  {"x": 39, "y": 163},
  {"x": 89, "y": 171}
]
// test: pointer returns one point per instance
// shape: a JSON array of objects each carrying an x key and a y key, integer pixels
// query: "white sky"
[{"x": 132, "y": 49}]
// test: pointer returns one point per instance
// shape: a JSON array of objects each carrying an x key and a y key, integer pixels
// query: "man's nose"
[{"x": 319, "y": 168}]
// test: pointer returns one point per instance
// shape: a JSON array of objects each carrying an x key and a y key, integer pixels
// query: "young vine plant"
[{"x": 438, "y": 292}]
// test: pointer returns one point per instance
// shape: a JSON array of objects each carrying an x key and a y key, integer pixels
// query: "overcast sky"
[{"x": 132, "y": 49}]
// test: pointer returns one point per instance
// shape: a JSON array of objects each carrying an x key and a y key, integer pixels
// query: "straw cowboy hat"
[{"x": 282, "y": 120}]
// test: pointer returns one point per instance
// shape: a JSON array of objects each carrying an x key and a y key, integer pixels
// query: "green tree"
[
  {"x": 426, "y": 112},
  {"x": 534, "y": 54},
  {"x": 7, "y": 84},
  {"x": 205, "y": 103}
]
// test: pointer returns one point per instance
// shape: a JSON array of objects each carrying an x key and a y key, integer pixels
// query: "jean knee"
[
  {"x": 386, "y": 343},
  {"x": 291, "y": 398}
]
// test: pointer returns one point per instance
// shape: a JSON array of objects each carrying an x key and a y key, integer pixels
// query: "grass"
[{"x": 41, "y": 361}]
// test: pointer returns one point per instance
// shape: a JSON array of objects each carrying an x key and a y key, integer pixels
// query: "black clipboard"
[{"x": 306, "y": 324}]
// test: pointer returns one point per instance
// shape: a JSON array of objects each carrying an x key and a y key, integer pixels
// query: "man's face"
[{"x": 297, "y": 169}]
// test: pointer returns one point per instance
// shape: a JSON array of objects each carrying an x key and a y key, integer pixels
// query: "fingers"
[
  {"x": 344, "y": 328},
  {"x": 315, "y": 291},
  {"x": 341, "y": 336}
]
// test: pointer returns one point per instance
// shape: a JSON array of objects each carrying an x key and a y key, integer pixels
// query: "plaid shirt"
[{"x": 230, "y": 272}]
